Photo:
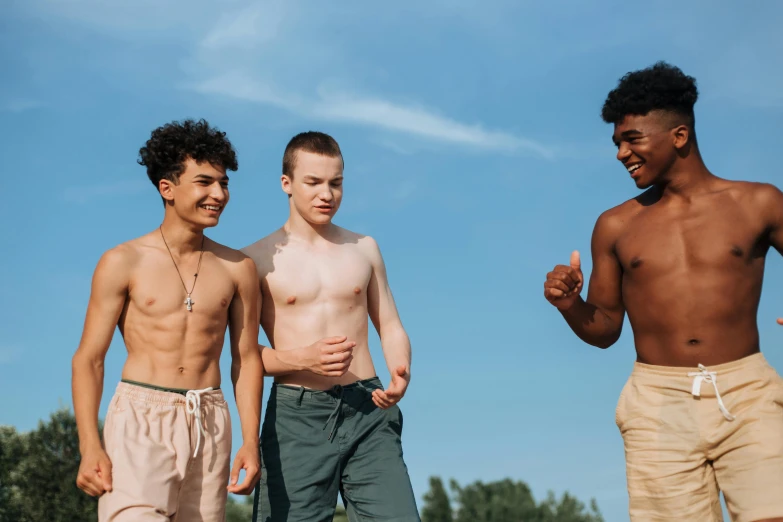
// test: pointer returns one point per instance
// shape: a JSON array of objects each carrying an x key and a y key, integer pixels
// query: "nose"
[
  {"x": 623, "y": 152},
  {"x": 219, "y": 193},
  {"x": 326, "y": 195}
]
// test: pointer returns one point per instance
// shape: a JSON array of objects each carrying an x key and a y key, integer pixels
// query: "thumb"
[
  {"x": 336, "y": 339},
  {"x": 576, "y": 262},
  {"x": 235, "y": 473}
]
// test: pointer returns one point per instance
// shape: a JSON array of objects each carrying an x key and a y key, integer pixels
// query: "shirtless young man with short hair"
[
  {"x": 702, "y": 409},
  {"x": 167, "y": 436},
  {"x": 329, "y": 426}
]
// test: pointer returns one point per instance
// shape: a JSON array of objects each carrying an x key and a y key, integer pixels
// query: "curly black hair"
[
  {"x": 660, "y": 87},
  {"x": 171, "y": 145}
]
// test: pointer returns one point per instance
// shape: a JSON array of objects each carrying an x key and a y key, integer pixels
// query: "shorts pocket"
[{"x": 619, "y": 411}]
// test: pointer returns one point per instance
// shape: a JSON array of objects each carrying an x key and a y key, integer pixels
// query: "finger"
[
  {"x": 559, "y": 285},
  {"x": 247, "y": 485},
  {"x": 235, "y": 472},
  {"x": 381, "y": 402},
  {"x": 346, "y": 346},
  {"x": 334, "y": 340},
  {"x": 568, "y": 276},
  {"x": 104, "y": 470},
  {"x": 576, "y": 262},
  {"x": 553, "y": 293},
  {"x": 91, "y": 484},
  {"x": 336, "y": 357},
  {"x": 780, "y": 321}
]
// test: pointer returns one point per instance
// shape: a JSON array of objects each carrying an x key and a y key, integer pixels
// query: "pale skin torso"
[
  {"x": 168, "y": 345},
  {"x": 316, "y": 290}
]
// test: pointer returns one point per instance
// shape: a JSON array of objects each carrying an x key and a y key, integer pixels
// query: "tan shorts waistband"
[
  {"x": 756, "y": 360},
  {"x": 149, "y": 395}
]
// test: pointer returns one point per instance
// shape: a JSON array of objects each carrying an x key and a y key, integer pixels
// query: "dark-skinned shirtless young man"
[
  {"x": 167, "y": 436},
  {"x": 330, "y": 425},
  {"x": 702, "y": 411}
]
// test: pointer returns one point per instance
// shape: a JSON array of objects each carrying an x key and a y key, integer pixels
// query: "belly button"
[
  {"x": 181, "y": 369},
  {"x": 694, "y": 342}
]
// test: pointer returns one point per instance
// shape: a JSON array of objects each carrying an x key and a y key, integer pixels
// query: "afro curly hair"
[
  {"x": 662, "y": 87},
  {"x": 171, "y": 145}
]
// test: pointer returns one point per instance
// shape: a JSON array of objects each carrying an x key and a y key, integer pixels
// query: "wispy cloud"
[
  {"x": 332, "y": 105},
  {"x": 85, "y": 194}
]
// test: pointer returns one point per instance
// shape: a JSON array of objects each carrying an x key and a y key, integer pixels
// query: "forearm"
[
  {"x": 87, "y": 388},
  {"x": 247, "y": 375},
  {"x": 279, "y": 363},
  {"x": 396, "y": 348},
  {"x": 592, "y": 324}
]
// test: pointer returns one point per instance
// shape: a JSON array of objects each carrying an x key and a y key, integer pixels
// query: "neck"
[
  {"x": 686, "y": 178},
  {"x": 296, "y": 226},
  {"x": 181, "y": 237}
]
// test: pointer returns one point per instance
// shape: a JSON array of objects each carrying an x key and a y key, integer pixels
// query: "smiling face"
[
  {"x": 315, "y": 186},
  {"x": 649, "y": 145},
  {"x": 199, "y": 196}
]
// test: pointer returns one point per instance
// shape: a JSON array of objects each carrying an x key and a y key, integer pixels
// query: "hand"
[
  {"x": 564, "y": 284},
  {"x": 393, "y": 394},
  {"x": 330, "y": 357},
  {"x": 94, "y": 477},
  {"x": 780, "y": 321},
  {"x": 248, "y": 459}
]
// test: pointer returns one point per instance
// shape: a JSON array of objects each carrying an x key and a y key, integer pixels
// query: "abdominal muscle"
[{"x": 299, "y": 325}]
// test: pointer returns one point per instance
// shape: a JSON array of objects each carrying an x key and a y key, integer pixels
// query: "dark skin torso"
[
  {"x": 686, "y": 268},
  {"x": 692, "y": 274}
]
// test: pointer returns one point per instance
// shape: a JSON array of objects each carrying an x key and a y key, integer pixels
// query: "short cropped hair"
[{"x": 311, "y": 141}]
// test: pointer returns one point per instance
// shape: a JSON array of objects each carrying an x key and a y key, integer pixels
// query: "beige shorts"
[
  {"x": 164, "y": 468},
  {"x": 682, "y": 446}
]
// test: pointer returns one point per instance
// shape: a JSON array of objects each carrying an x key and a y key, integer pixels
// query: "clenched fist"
[{"x": 564, "y": 284}]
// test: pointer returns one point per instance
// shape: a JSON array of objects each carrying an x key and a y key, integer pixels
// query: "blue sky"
[{"x": 474, "y": 152}]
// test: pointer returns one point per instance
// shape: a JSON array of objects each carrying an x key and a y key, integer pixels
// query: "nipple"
[
  {"x": 291, "y": 300},
  {"x": 357, "y": 290}
]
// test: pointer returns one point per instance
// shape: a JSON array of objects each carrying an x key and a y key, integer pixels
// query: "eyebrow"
[
  {"x": 210, "y": 178},
  {"x": 625, "y": 134}
]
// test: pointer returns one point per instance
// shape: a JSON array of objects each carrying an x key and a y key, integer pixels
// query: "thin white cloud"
[
  {"x": 374, "y": 112},
  {"x": 85, "y": 194}
]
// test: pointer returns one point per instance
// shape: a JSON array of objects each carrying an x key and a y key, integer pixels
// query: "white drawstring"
[
  {"x": 193, "y": 400},
  {"x": 704, "y": 375}
]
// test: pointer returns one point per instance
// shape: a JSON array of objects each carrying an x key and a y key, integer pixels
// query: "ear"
[
  {"x": 285, "y": 183},
  {"x": 166, "y": 189},
  {"x": 681, "y": 136}
]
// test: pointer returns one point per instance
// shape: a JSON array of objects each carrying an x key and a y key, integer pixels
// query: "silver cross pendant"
[{"x": 189, "y": 303}]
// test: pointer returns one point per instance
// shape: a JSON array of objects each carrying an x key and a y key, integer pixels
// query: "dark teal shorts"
[{"x": 315, "y": 444}]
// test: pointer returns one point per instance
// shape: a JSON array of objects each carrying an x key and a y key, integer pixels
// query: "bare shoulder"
[
  {"x": 237, "y": 262},
  {"x": 364, "y": 243},
  {"x": 123, "y": 257},
  {"x": 263, "y": 250},
  {"x": 762, "y": 195},
  {"x": 614, "y": 221}
]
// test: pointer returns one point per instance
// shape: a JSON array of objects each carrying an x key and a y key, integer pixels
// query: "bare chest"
[
  {"x": 663, "y": 242},
  {"x": 301, "y": 278},
  {"x": 157, "y": 290}
]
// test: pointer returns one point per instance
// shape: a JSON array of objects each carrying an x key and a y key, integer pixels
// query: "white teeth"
[
  {"x": 634, "y": 167},
  {"x": 211, "y": 207}
]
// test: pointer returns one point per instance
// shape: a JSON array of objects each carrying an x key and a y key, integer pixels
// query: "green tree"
[
  {"x": 437, "y": 506},
  {"x": 46, "y": 467},
  {"x": 500, "y": 501},
  {"x": 503, "y": 501},
  {"x": 11, "y": 452},
  {"x": 568, "y": 509}
]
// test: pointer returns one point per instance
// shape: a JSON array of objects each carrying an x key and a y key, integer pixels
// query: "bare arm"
[
  {"x": 247, "y": 373},
  {"x": 107, "y": 299},
  {"x": 247, "y": 368},
  {"x": 383, "y": 313},
  {"x": 599, "y": 320},
  {"x": 772, "y": 200}
]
